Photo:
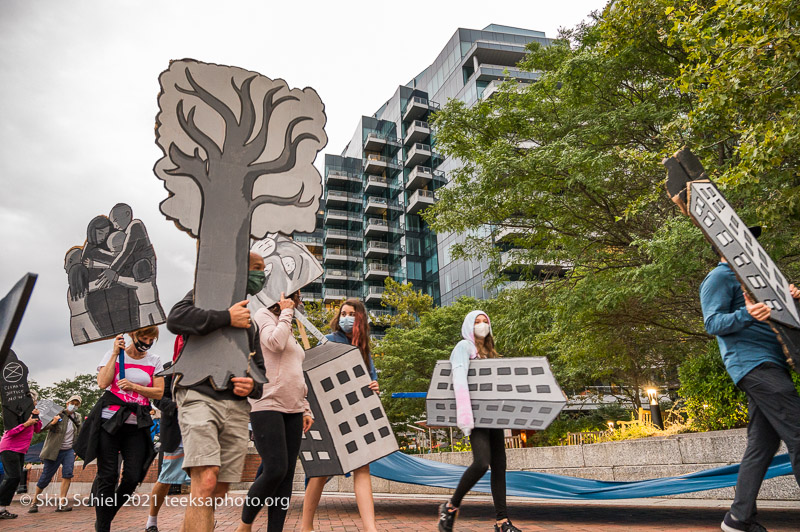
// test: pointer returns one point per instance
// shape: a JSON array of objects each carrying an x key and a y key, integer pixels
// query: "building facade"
[{"x": 370, "y": 226}]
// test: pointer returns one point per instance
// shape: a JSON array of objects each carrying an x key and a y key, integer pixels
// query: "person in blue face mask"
[{"x": 349, "y": 326}]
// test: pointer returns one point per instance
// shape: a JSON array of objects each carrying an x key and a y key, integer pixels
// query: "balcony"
[
  {"x": 376, "y": 226},
  {"x": 378, "y": 164},
  {"x": 340, "y": 177},
  {"x": 308, "y": 240},
  {"x": 418, "y": 153},
  {"x": 374, "y": 293},
  {"x": 329, "y": 295},
  {"x": 341, "y": 236},
  {"x": 418, "y": 131},
  {"x": 341, "y": 254},
  {"x": 375, "y": 205},
  {"x": 341, "y": 275},
  {"x": 420, "y": 200},
  {"x": 338, "y": 198},
  {"x": 376, "y": 270},
  {"x": 335, "y": 215},
  {"x": 419, "y": 177},
  {"x": 417, "y": 107},
  {"x": 378, "y": 141},
  {"x": 376, "y": 184},
  {"x": 376, "y": 248}
]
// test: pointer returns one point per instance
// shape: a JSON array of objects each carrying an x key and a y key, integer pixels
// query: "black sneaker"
[
  {"x": 153, "y": 528},
  {"x": 731, "y": 524},
  {"x": 446, "y": 518},
  {"x": 64, "y": 508},
  {"x": 5, "y": 514},
  {"x": 506, "y": 527},
  {"x": 34, "y": 509}
]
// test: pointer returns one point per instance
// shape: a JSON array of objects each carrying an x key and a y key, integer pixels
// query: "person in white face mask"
[
  {"x": 57, "y": 452},
  {"x": 349, "y": 326},
  {"x": 488, "y": 445}
]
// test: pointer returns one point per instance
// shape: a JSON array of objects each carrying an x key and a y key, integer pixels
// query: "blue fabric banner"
[{"x": 401, "y": 467}]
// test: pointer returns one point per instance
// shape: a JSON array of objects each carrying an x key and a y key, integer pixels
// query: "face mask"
[
  {"x": 71, "y": 408},
  {"x": 482, "y": 330},
  {"x": 346, "y": 323},
  {"x": 255, "y": 281},
  {"x": 141, "y": 346}
]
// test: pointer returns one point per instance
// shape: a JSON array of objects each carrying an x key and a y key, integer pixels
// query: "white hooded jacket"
[{"x": 462, "y": 353}]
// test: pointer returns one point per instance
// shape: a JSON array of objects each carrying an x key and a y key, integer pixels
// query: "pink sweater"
[
  {"x": 283, "y": 358},
  {"x": 19, "y": 438}
]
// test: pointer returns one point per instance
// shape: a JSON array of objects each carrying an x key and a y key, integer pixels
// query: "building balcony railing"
[
  {"x": 343, "y": 216},
  {"x": 375, "y": 141},
  {"x": 376, "y": 270},
  {"x": 312, "y": 296},
  {"x": 419, "y": 177},
  {"x": 308, "y": 240},
  {"x": 418, "y": 131},
  {"x": 341, "y": 275},
  {"x": 417, "y": 107},
  {"x": 338, "y": 294},
  {"x": 340, "y": 177},
  {"x": 420, "y": 200},
  {"x": 375, "y": 205},
  {"x": 338, "y": 197},
  {"x": 376, "y": 248},
  {"x": 376, "y": 226},
  {"x": 376, "y": 184},
  {"x": 374, "y": 293},
  {"x": 418, "y": 153},
  {"x": 341, "y": 235},
  {"x": 340, "y": 254},
  {"x": 378, "y": 164}
]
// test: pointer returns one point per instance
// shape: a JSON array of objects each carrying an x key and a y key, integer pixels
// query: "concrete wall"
[{"x": 614, "y": 461}]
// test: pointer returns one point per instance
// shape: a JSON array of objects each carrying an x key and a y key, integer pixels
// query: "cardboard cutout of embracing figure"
[
  {"x": 238, "y": 163},
  {"x": 691, "y": 190},
  {"x": 112, "y": 279}
]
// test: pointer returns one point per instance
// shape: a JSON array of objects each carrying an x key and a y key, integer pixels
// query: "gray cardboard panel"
[
  {"x": 512, "y": 393},
  {"x": 352, "y": 427},
  {"x": 751, "y": 263},
  {"x": 289, "y": 267},
  {"x": 12, "y": 307}
]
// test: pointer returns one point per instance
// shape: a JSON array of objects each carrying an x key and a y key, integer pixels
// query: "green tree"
[
  {"x": 409, "y": 304},
  {"x": 571, "y": 165}
]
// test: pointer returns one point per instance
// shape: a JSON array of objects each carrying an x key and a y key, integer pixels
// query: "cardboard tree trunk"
[
  {"x": 506, "y": 393},
  {"x": 689, "y": 187},
  {"x": 12, "y": 307},
  {"x": 350, "y": 426},
  {"x": 238, "y": 150}
]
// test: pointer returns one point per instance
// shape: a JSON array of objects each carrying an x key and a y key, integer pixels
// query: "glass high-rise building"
[{"x": 370, "y": 226}]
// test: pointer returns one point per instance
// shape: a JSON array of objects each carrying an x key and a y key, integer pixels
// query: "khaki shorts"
[{"x": 214, "y": 432}]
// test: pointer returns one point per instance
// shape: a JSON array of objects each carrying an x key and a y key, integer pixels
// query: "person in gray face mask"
[
  {"x": 350, "y": 326},
  {"x": 57, "y": 452}
]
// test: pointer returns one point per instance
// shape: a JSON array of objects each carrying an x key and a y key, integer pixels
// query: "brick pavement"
[{"x": 339, "y": 513}]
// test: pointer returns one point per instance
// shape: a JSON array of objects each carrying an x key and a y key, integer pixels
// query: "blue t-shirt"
[
  {"x": 744, "y": 342},
  {"x": 340, "y": 338}
]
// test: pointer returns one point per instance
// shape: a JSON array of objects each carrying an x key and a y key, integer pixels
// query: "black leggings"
[
  {"x": 488, "y": 449},
  {"x": 12, "y": 465},
  {"x": 277, "y": 437},
  {"x": 111, "y": 496}
]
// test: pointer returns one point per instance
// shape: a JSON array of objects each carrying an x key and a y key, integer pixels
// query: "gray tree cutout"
[{"x": 238, "y": 162}]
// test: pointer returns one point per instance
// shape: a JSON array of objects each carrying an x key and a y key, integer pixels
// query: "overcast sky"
[{"x": 78, "y": 88}]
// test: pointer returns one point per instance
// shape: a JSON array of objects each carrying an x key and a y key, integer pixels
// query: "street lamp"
[{"x": 655, "y": 409}]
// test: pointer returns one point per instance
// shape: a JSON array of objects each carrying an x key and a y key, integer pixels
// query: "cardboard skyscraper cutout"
[
  {"x": 350, "y": 426},
  {"x": 14, "y": 391},
  {"x": 289, "y": 266},
  {"x": 506, "y": 393},
  {"x": 689, "y": 187},
  {"x": 12, "y": 308},
  {"x": 239, "y": 150},
  {"x": 112, "y": 278}
]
